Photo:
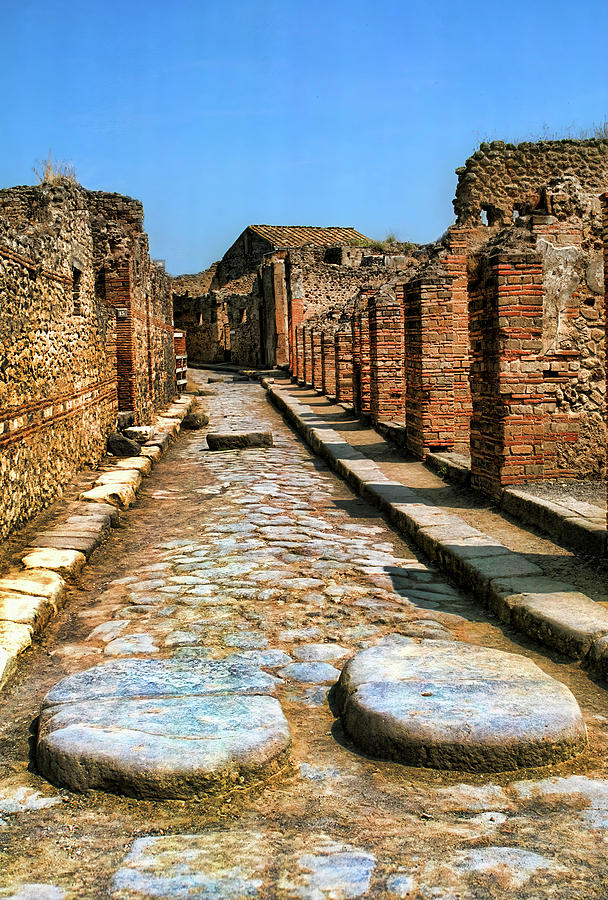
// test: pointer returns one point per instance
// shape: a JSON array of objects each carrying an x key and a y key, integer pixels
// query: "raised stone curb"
[
  {"x": 556, "y": 615},
  {"x": 31, "y": 596}
]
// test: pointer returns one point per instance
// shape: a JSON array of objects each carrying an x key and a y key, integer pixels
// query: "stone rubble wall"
[
  {"x": 57, "y": 351},
  {"x": 504, "y": 179},
  {"x": 70, "y": 259}
]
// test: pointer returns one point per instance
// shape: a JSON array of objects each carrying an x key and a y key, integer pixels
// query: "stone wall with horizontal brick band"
[{"x": 57, "y": 348}]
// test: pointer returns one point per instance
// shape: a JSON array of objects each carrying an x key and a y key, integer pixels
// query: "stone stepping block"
[
  {"x": 450, "y": 705},
  {"x": 177, "y": 728},
  {"x": 239, "y": 441},
  {"x": 67, "y": 563}
]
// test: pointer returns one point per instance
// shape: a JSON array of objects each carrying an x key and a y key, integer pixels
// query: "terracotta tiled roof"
[{"x": 298, "y": 235}]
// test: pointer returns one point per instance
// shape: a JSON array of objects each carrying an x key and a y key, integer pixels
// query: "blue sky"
[{"x": 221, "y": 114}]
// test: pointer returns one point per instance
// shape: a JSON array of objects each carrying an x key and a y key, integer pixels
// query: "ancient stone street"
[{"x": 213, "y": 624}]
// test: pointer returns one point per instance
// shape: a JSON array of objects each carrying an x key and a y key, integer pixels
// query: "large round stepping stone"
[
  {"x": 449, "y": 705},
  {"x": 178, "y": 728}
]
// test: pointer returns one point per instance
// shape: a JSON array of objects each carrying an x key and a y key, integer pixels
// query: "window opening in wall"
[
  {"x": 76, "y": 291},
  {"x": 484, "y": 217},
  {"x": 516, "y": 214}
]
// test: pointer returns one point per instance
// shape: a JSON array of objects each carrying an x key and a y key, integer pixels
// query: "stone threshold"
[
  {"x": 553, "y": 613},
  {"x": 31, "y": 596}
]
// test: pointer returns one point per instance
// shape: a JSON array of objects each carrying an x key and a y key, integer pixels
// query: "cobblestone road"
[{"x": 266, "y": 555}]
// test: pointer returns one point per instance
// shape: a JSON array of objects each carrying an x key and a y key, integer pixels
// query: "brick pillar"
[
  {"x": 307, "y": 373},
  {"x": 299, "y": 353},
  {"x": 386, "y": 339},
  {"x": 356, "y": 350},
  {"x": 459, "y": 241},
  {"x": 604, "y": 199},
  {"x": 295, "y": 313},
  {"x": 119, "y": 295},
  {"x": 511, "y": 412},
  {"x": 317, "y": 359},
  {"x": 365, "y": 395},
  {"x": 429, "y": 337},
  {"x": 328, "y": 359},
  {"x": 344, "y": 364}
]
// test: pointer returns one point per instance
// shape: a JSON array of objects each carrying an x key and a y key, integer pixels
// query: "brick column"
[
  {"x": 386, "y": 337},
  {"x": 429, "y": 338},
  {"x": 511, "y": 411},
  {"x": 295, "y": 315},
  {"x": 299, "y": 353},
  {"x": 356, "y": 351},
  {"x": 365, "y": 382},
  {"x": 459, "y": 241},
  {"x": 307, "y": 373},
  {"x": 344, "y": 364},
  {"x": 328, "y": 361},
  {"x": 317, "y": 359},
  {"x": 118, "y": 292}
]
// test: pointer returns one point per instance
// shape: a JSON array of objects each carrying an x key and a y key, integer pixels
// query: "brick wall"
[
  {"x": 387, "y": 374},
  {"x": 299, "y": 335}
]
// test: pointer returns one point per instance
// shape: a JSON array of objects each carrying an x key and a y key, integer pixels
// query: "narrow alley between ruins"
[{"x": 265, "y": 558}]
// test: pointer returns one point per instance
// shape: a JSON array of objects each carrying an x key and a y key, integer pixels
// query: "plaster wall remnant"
[{"x": 85, "y": 330}]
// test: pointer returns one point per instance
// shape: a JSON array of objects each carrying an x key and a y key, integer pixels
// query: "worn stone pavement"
[{"x": 265, "y": 555}]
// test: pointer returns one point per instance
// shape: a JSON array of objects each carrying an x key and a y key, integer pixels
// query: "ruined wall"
[
  {"x": 502, "y": 179},
  {"x": 57, "y": 348},
  {"x": 140, "y": 292}
]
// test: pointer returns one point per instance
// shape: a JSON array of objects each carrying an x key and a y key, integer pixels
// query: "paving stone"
[
  {"x": 239, "y": 441},
  {"x": 451, "y": 705},
  {"x": 330, "y": 870},
  {"x": 67, "y": 563},
  {"x": 310, "y": 672},
  {"x": 227, "y": 865},
  {"x": 14, "y": 639},
  {"x": 132, "y": 643},
  {"x": 320, "y": 652},
  {"x": 36, "y": 891},
  {"x": 162, "y": 729},
  {"x": 16, "y": 796},
  {"x": 38, "y": 582},
  {"x": 91, "y": 510}
]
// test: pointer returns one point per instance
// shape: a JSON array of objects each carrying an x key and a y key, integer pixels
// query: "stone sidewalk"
[
  {"x": 528, "y": 581},
  {"x": 263, "y": 557}
]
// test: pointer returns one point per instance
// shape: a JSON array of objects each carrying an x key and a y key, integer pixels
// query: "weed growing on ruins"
[{"x": 52, "y": 171}]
